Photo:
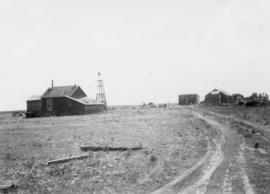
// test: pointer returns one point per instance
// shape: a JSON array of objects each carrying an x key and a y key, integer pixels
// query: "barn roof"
[
  {"x": 60, "y": 91},
  {"x": 216, "y": 91},
  {"x": 34, "y": 98},
  {"x": 85, "y": 100}
]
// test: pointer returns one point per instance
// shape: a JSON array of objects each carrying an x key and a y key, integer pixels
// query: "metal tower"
[{"x": 100, "y": 91}]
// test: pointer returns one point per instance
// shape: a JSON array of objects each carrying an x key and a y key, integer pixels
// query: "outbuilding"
[
  {"x": 34, "y": 106},
  {"x": 188, "y": 99},
  {"x": 218, "y": 97}
]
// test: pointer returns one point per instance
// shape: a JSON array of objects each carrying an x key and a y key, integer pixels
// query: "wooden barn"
[
  {"x": 63, "y": 100},
  {"x": 188, "y": 99},
  {"x": 218, "y": 97}
]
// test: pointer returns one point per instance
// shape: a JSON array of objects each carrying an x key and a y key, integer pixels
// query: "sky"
[{"x": 146, "y": 50}]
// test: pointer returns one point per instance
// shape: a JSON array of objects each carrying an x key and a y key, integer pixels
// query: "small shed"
[
  {"x": 34, "y": 105},
  {"x": 188, "y": 99},
  {"x": 218, "y": 97}
]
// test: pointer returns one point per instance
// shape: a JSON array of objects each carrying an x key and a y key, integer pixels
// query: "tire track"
[
  {"x": 227, "y": 183},
  {"x": 201, "y": 185},
  {"x": 170, "y": 187},
  {"x": 240, "y": 163},
  {"x": 244, "y": 176},
  {"x": 203, "y": 169}
]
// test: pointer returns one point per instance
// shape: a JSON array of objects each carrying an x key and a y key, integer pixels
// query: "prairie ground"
[
  {"x": 193, "y": 149},
  {"x": 172, "y": 141}
]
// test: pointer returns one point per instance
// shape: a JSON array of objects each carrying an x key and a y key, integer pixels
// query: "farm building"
[
  {"x": 257, "y": 99},
  {"x": 34, "y": 105},
  {"x": 238, "y": 99},
  {"x": 63, "y": 100},
  {"x": 188, "y": 99},
  {"x": 218, "y": 97}
]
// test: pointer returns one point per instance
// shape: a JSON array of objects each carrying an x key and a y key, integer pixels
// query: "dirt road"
[{"x": 232, "y": 164}]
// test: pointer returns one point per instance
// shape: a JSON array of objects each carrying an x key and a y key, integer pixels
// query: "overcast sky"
[{"x": 146, "y": 50}]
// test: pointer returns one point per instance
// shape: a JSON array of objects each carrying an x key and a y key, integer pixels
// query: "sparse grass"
[
  {"x": 171, "y": 144},
  {"x": 260, "y": 115}
]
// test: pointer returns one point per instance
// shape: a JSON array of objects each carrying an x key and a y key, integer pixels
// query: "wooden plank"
[
  {"x": 113, "y": 149},
  {"x": 63, "y": 160},
  {"x": 7, "y": 187}
]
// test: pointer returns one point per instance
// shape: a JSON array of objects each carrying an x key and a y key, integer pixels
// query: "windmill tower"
[{"x": 100, "y": 91}]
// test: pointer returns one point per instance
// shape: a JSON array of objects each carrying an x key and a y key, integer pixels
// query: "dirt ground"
[
  {"x": 172, "y": 140},
  {"x": 184, "y": 150}
]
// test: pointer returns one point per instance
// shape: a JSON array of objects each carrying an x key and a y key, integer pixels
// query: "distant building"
[
  {"x": 238, "y": 99},
  {"x": 63, "y": 100},
  {"x": 257, "y": 99},
  {"x": 218, "y": 97},
  {"x": 188, "y": 99}
]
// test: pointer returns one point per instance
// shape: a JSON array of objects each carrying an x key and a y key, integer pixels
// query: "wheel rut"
[
  {"x": 221, "y": 170},
  {"x": 198, "y": 176}
]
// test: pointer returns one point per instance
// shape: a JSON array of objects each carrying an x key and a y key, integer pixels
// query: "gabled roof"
[
  {"x": 216, "y": 91},
  {"x": 60, "y": 91}
]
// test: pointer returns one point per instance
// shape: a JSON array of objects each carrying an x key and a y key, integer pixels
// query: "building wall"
[
  {"x": 74, "y": 107},
  {"x": 34, "y": 106},
  {"x": 59, "y": 106},
  {"x": 218, "y": 99},
  {"x": 94, "y": 108},
  {"x": 67, "y": 106},
  {"x": 188, "y": 99},
  {"x": 213, "y": 99}
]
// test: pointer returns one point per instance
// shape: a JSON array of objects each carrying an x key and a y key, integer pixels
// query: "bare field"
[
  {"x": 173, "y": 140},
  {"x": 193, "y": 149}
]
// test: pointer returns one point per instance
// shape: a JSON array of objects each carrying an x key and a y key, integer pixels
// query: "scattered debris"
[
  {"x": 256, "y": 145},
  {"x": 74, "y": 180},
  {"x": 6, "y": 188},
  {"x": 17, "y": 114},
  {"x": 162, "y": 106},
  {"x": 63, "y": 160},
  {"x": 106, "y": 149},
  {"x": 151, "y": 105},
  {"x": 261, "y": 151}
]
